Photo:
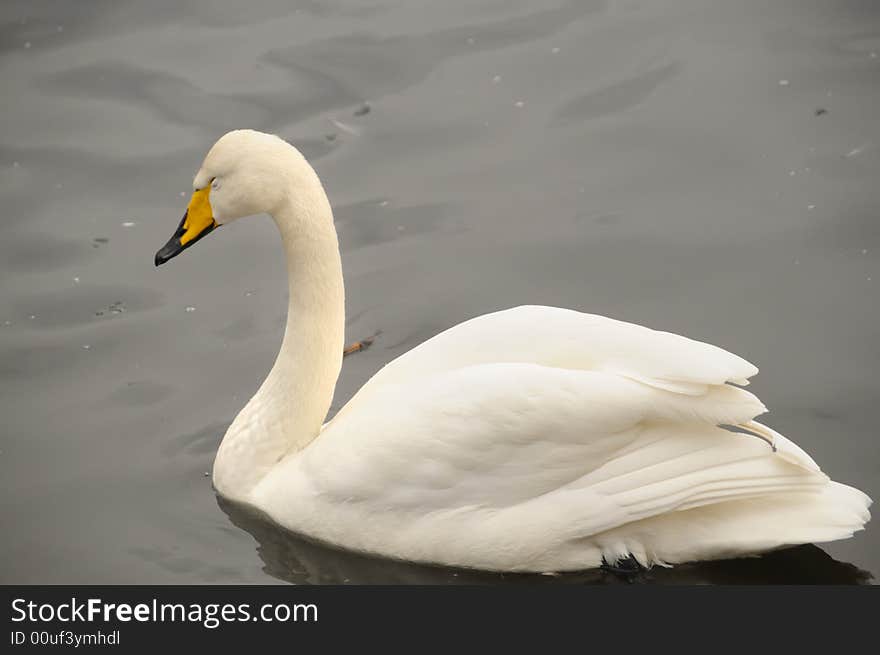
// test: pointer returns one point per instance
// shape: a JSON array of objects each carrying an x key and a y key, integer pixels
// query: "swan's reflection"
[{"x": 294, "y": 559}]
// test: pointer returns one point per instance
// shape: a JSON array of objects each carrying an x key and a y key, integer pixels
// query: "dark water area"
[{"x": 710, "y": 169}]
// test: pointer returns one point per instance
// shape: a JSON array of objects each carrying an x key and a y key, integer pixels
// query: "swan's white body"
[{"x": 533, "y": 439}]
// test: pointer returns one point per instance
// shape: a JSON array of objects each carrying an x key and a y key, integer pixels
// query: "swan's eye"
[{"x": 215, "y": 184}]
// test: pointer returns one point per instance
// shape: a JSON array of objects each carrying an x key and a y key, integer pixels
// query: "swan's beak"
[{"x": 196, "y": 223}]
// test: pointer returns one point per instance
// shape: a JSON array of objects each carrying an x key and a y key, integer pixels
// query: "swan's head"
[{"x": 245, "y": 173}]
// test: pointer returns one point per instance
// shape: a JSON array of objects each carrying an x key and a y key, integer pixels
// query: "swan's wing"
[
  {"x": 503, "y": 433},
  {"x": 520, "y": 453},
  {"x": 567, "y": 339}
]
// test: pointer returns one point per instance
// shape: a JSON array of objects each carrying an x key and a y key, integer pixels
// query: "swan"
[{"x": 534, "y": 439}]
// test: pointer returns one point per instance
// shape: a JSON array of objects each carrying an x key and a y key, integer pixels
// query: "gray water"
[{"x": 705, "y": 168}]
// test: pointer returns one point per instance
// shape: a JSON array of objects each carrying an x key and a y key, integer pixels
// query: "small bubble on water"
[
  {"x": 15, "y": 164},
  {"x": 206, "y": 474},
  {"x": 190, "y": 309},
  {"x": 128, "y": 224},
  {"x": 27, "y": 44},
  {"x": 384, "y": 203},
  {"x": 86, "y": 346},
  {"x": 496, "y": 79},
  {"x": 7, "y": 323},
  {"x": 784, "y": 82},
  {"x": 873, "y": 55},
  {"x": 76, "y": 280},
  {"x": 400, "y": 228},
  {"x": 864, "y": 251},
  {"x": 32, "y": 317},
  {"x": 811, "y": 207},
  {"x": 470, "y": 40},
  {"x": 555, "y": 51},
  {"x": 792, "y": 173},
  {"x": 182, "y": 194},
  {"x": 248, "y": 294},
  {"x": 520, "y": 104}
]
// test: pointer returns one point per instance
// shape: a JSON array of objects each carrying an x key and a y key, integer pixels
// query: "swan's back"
[{"x": 564, "y": 338}]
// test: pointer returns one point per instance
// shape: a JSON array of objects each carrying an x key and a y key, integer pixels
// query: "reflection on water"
[{"x": 292, "y": 558}]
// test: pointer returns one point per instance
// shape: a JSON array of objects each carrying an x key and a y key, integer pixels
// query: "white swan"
[{"x": 532, "y": 439}]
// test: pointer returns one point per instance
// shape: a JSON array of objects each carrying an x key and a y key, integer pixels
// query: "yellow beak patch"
[{"x": 199, "y": 216}]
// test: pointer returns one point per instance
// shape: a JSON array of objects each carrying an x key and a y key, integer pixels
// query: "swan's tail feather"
[
  {"x": 675, "y": 467},
  {"x": 741, "y": 527},
  {"x": 689, "y": 492}
]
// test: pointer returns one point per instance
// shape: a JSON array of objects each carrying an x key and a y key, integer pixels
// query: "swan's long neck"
[{"x": 288, "y": 410}]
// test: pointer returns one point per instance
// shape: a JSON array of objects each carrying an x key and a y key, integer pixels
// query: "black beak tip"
[
  {"x": 168, "y": 251},
  {"x": 174, "y": 247}
]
